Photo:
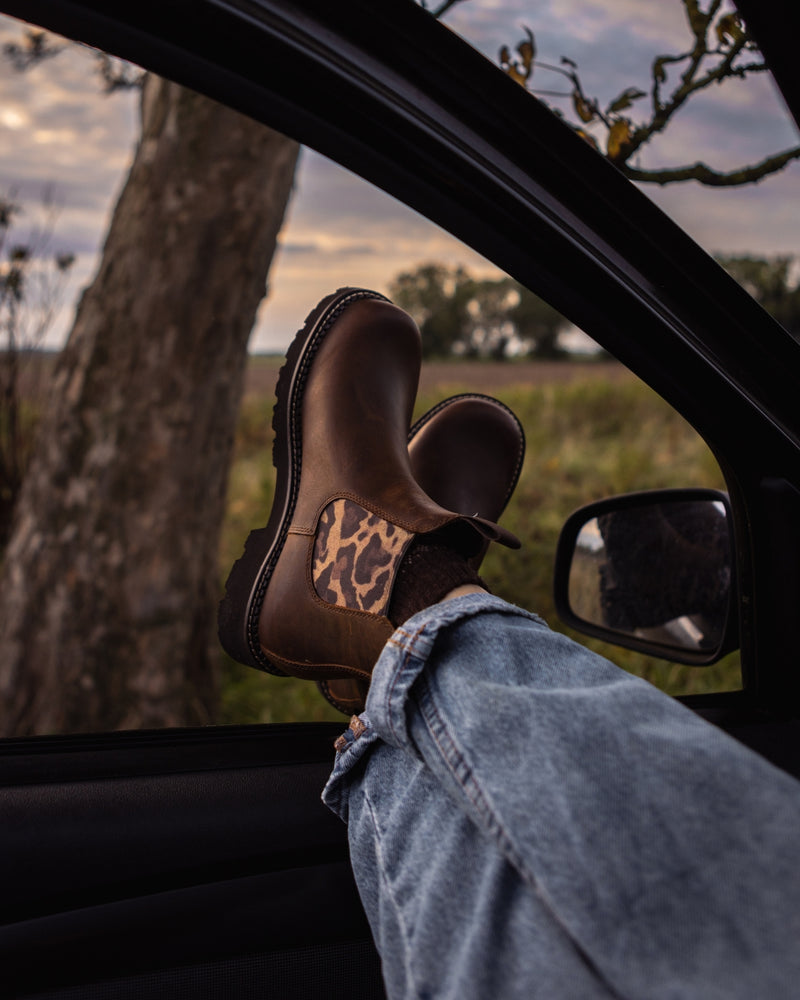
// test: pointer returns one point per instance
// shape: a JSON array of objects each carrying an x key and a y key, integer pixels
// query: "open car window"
[{"x": 337, "y": 226}]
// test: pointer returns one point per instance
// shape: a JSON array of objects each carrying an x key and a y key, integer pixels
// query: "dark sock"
[{"x": 428, "y": 571}]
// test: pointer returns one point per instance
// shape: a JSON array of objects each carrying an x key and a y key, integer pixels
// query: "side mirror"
[{"x": 653, "y": 572}]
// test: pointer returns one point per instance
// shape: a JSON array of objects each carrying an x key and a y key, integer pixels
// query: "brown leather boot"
[
  {"x": 309, "y": 595},
  {"x": 466, "y": 453}
]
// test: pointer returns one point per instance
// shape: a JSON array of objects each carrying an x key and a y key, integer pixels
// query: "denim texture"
[{"x": 528, "y": 820}]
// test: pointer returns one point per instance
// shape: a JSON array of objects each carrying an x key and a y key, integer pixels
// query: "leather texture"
[
  {"x": 466, "y": 454},
  {"x": 345, "y": 413}
]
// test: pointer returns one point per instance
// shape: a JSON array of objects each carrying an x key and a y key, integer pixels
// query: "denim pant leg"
[{"x": 528, "y": 820}]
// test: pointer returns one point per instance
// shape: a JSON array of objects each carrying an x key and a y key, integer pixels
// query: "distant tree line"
[
  {"x": 774, "y": 282},
  {"x": 459, "y": 314},
  {"x": 499, "y": 318}
]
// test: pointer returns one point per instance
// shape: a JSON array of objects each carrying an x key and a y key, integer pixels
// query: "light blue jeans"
[{"x": 527, "y": 820}]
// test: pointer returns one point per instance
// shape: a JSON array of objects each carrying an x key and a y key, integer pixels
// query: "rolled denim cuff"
[
  {"x": 411, "y": 648},
  {"x": 402, "y": 660},
  {"x": 352, "y": 748}
]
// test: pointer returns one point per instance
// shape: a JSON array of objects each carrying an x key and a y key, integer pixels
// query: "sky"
[{"x": 65, "y": 144}]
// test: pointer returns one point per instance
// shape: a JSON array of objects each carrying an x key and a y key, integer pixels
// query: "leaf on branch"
[
  {"x": 515, "y": 74},
  {"x": 625, "y": 100},
  {"x": 521, "y": 69},
  {"x": 527, "y": 49},
  {"x": 619, "y": 136},
  {"x": 19, "y": 253},
  {"x": 568, "y": 62},
  {"x": 584, "y": 109},
  {"x": 729, "y": 29},
  {"x": 588, "y": 138}
]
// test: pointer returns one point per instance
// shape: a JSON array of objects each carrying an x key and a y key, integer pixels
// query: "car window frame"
[{"x": 476, "y": 154}]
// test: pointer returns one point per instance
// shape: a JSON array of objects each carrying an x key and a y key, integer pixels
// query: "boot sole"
[{"x": 249, "y": 577}]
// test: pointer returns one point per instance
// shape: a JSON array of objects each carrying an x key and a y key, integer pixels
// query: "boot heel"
[{"x": 240, "y": 603}]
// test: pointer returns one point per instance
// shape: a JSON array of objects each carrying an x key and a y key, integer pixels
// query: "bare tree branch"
[
  {"x": 35, "y": 47},
  {"x": 690, "y": 84},
  {"x": 713, "y": 178},
  {"x": 117, "y": 74},
  {"x": 442, "y": 9},
  {"x": 719, "y": 41}
]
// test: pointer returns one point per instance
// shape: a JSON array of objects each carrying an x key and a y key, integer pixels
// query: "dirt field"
[
  {"x": 478, "y": 376},
  {"x": 482, "y": 376}
]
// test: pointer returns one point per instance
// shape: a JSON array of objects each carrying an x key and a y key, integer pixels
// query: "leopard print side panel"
[{"x": 356, "y": 554}]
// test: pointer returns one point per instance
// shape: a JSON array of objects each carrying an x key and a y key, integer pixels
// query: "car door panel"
[{"x": 159, "y": 853}]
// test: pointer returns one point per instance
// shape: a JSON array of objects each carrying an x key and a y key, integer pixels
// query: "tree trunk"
[{"x": 110, "y": 579}]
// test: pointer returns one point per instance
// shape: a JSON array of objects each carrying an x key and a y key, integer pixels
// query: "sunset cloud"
[{"x": 61, "y": 138}]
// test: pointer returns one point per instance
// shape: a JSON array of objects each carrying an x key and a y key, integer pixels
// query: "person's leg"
[
  {"x": 520, "y": 808},
  {"x": 451, "y": 918},
  {"x": 534, "y": 816}
]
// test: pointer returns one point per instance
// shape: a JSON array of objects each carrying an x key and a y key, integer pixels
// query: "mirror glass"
[{"x": 660, "y": 572}]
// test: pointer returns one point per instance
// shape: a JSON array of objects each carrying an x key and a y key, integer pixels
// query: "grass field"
[{"x": 592, "y": 430}]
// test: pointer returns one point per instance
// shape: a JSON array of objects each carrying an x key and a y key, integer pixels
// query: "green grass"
[{"x": 585, "y": 441}]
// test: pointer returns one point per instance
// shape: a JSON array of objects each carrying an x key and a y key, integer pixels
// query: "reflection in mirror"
[{"x": 659, "y": 572}]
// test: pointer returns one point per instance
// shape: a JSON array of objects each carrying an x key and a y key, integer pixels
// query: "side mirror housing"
[{"x": 653, "y": 572}]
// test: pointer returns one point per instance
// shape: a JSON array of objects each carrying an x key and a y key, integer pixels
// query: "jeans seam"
[
  {"x": 383, "y": 868},
  {"x": 439, "y": 732},
  {"x": 407, "y": 650},
  {"x": 461, "y": 771}
]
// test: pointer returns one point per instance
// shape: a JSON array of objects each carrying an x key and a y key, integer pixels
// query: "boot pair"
[{"x": 359, "y": 502}]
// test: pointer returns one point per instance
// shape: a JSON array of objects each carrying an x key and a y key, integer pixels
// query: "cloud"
[
  {"x": 61, "y": 139},
  {"x": 330, "y": 247},
  {"x": 330, "y": 205},
  {"x": 299, "y": 248},
  {"x": 758, "y": 219},
  {"x": 614, "y": 43},
  {"x": 59, "y": 133}
]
